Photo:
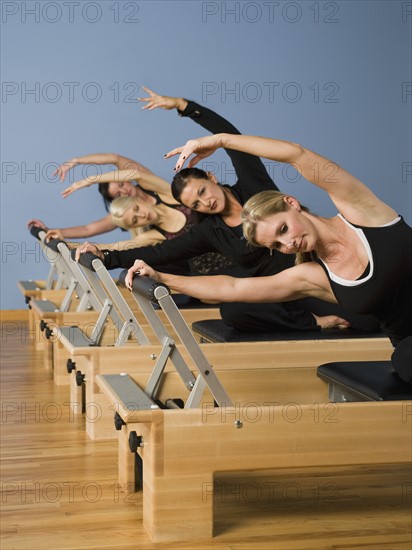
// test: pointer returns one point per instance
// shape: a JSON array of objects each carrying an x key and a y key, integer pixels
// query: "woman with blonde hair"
[
  {"x": 130, "y": 179},
  {"x": 361, "y": 258}
]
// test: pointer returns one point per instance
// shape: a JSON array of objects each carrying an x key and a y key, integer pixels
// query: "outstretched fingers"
[
  {"x": 153, "y": 101},
  {"x": 68, "y": 191},
  {"x": 184, "y": 153}
]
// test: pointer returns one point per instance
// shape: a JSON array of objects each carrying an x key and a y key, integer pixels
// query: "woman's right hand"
[
  {"x": 54, "y": 234},
  {"x": 37, "y": 223},
  {"x": 140, "y": 268},
  {"x": 203, "y": 147},
  {"x": 88, "y": 247},
  {"x": 62, "y": 170},
  {"x": 81, "y": 184}
]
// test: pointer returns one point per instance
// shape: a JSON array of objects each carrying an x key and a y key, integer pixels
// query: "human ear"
[
  {"x": 211, "y": 177},
  {"x": 292, "y": 202}
]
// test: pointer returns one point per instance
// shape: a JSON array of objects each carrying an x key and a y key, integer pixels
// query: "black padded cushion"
[
  {"x": 187, "y": 302},
  {"x": 376, "y": 379},
  {"x": 216, "y": 330}
]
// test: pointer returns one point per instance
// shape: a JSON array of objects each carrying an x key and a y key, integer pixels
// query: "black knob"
[
  {"x": 27, "y": 299},
  {"x": 135, "y": 441},
  {"x": 43, "y": 325},
  {"x": 118, "y": 421},
  {"x": 79, "y": 378},
  {"x": 48, "y": 332},
  {"x": 71, "y": 366}
]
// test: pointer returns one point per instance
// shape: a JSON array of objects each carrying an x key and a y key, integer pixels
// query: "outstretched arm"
[
  {"x": 104, "y": 225},
  {"x": 148, "y": 238},
  {"x": 351, "y": 197},
  {"x": 147, "y": 181},
  {"x": 291, "y": 284}
]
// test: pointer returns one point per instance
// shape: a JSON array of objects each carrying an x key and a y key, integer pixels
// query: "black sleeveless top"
[
  {"x": 385, "y": 289},
  {"x": 204, "y": 264}
]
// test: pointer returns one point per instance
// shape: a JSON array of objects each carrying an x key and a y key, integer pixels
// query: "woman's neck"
[
  {"x": 231, "y": 213},
  {"x": 331, "y": 236},
  {"x": 145, "y": 197},
  {"x": 169, "y": 219}
]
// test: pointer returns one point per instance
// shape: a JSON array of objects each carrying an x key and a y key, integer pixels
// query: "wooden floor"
[{"x": 59, "y": 489}]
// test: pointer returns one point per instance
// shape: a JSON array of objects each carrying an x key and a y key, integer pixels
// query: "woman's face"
[
  {"x": 288, "y": 232},
  {"x": 204, "y": 195},
  {"x": 121, "y": 189},
  {"x": 139, "y": 215}
]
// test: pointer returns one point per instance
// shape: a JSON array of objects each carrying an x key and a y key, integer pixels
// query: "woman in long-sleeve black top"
[{"x": 214, "y": 234}]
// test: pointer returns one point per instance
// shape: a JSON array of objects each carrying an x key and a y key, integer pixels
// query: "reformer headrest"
[
  {"x": 145, "y": 286},
  {"x": 52, "y": 244},
  {"x": 85, "y": 259}
]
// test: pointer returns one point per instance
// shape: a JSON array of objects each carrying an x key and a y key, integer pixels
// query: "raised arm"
[
  {"x": 351, "y": 197},
  {"x": 122, "y": 163},
  {"x": 249, "y": 168},
  {"x": 147, "y": 181}
]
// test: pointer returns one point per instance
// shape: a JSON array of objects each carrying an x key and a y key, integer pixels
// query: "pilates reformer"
[
  {"x": 95, "y": 279},
  {"x": 75, "y": 298},
  {"x": 56, "y": 278},
  {"x": 63, "y": 324},
  {"x": 91, "y": 361},
  {"x": 164, "y": 350},
  {"x": 55, "y": 295},
  {"x": 292, "y": 424},
  {"x": 87, "y": 362}
]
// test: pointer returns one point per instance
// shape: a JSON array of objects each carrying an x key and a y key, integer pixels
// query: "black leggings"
[
  {"x": 295, "y": 315},
  {"x": 402, "y": 359}
]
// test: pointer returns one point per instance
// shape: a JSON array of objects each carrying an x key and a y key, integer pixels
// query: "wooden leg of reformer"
[
  {"x": 175, "y": 506},
  {"x": 48, "y": 355}
]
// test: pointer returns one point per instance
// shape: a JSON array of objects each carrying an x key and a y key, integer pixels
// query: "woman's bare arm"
[
  {"x": 104, "y": 225},
  {"x": 351, "y": 197},
  {"x": 147, "y": 181},
  {"x": 291, "y": 284},
  {"x": 148, "y": 238}
]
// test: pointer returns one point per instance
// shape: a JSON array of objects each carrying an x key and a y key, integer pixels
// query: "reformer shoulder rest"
[{"x": 364, "y": 381}]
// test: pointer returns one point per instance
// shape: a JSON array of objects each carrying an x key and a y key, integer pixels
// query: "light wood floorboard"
[{"x": 59, "y": 489}]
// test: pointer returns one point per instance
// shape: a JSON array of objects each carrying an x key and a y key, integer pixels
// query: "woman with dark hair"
[
  {"x": 221, "y": 231},
  {"x": 361, "y": 258}
]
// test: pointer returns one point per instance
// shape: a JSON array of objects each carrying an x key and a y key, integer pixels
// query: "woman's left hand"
[{"x": 201, "y": 148}]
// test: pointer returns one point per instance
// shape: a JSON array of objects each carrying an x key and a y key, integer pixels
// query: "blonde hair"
[
  {"x": 258, "y": 208},
  {"x": 118, "y": 208}
]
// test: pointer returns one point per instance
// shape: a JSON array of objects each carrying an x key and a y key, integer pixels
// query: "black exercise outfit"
[
  {"x": 210, "y": 263},
  {"x": 214, "y": 235},
  {"x": 384, "y": 290}
]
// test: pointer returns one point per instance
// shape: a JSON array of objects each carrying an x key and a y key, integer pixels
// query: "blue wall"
[{"x": 332, "y": 75}]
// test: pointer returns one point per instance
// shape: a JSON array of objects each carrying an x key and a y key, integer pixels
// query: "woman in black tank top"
[{"x": 360, "y": 258}]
